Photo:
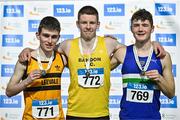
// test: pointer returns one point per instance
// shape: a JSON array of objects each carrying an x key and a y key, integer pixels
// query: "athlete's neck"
[
  {"x": 45, "y": 55},
  {"x": 143, "y": 49},
  {"x": 87, "y": 45},
  {"x": 141, "y": 46}
]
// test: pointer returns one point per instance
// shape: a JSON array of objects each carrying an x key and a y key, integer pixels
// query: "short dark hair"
[
  {"x": 49, "y": 23},
  {"x": 89, "y": 10},
  {"x": 143, "y": 15}
]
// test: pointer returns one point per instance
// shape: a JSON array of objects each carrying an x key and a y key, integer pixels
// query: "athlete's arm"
[
  {"x": 118, "y": 57},
  {"x": 64, "y": 58},
  {"x": 166, "y": 81},
  {"x": 16, "y": 84},
  {"x": 63, "y": 47},
  {"x": 25, "y": 55}
]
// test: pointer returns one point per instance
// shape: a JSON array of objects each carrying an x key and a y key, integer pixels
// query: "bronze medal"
[
  {"x": 43, "y": 73},
  {"x": 142, "y": 73}
]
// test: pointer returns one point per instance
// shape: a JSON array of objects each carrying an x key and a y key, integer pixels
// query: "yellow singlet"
[{"x": 89, "y": 95}]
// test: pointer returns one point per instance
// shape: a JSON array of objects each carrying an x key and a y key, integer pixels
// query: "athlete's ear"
[
  {"x": 152, "y": 30},
  {"x": 131, "y": 28},
  {"x": 98, "y": 25},
  {"x": 37, "y": 35},
  {"x": 77, "y": 24}
]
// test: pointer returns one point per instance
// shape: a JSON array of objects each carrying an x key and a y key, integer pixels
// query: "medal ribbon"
[
  {"x": 39, "y": 61},
  {"x": 87, "y": 63},
  {"x": 143, "y": 69}
]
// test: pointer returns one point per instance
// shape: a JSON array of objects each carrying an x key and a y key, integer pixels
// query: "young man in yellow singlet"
[
  {"x": 89, "y": 64},
  {"x": 40, "y": 78}
]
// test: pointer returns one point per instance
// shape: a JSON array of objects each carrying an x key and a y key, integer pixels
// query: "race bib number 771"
[{"x": 45, "y": 108}]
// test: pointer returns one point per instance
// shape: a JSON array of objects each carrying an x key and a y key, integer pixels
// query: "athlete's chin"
[
  {"x": 90, "y": 37},
  {"x": 49, "y": 49},
  {"x": 140, "y": 39}
]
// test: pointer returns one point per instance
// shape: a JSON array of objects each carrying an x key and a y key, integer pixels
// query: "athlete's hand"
[
  {"x": 25, "y": 55},
  {"x": 159, "y": 50},
  {"x": 153, "y": 75},
  {"x": 35, "y": 74}
]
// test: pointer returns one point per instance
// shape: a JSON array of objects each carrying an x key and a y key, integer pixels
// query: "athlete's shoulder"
[{"x": 110, "y": 37}]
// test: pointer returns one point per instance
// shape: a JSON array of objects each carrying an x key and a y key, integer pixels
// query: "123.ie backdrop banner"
[{"x": 19, "y": 21}]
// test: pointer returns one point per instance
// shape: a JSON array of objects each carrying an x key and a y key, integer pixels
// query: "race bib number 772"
[{"x": 95, "y": 77}]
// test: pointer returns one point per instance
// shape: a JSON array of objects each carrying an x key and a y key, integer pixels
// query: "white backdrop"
[{"x": 19, "y": 21}]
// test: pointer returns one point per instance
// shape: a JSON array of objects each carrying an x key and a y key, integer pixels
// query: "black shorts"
[{"x": 84, "y": 118}]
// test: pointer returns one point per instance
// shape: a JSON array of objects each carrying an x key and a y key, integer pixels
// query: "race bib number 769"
[{"x": 140, "y": 93}]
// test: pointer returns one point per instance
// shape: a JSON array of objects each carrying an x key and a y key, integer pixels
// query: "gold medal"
[{"x": 87, "y": 74}]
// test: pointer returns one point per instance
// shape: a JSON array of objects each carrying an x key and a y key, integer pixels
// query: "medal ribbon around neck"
[
  {"x": 87, "y": 63},
  {"x": 143, "y": 69},
  {"x": 39, "y": 61}
]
